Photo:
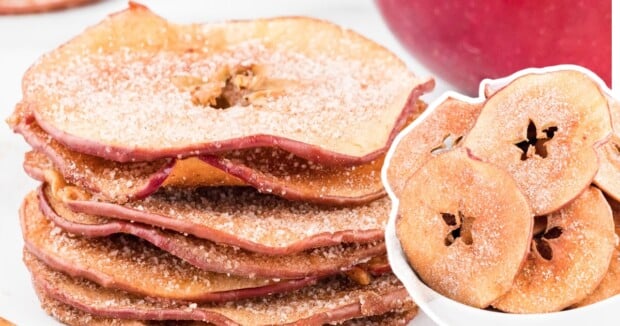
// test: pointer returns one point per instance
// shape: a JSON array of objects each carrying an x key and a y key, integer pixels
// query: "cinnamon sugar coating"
[
  {"x": 72, "y": 316},
  {"x": 269, "y": 170},
  {"x": 439, "y": 132},
  {"x": 332, "y": 300},
  {"x": 544, "y": 129},
  {"x": 137, "y": 87},
  {"x": 241, "y": 217},
  {"x": 124, "y": 262},
  {"x": 211, "y": 256},
  {"x": 568, "y": 261},
  {"x": 465, "y": 228}
]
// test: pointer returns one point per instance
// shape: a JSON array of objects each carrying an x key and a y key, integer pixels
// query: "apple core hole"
[
  {"x": 553, "y": 233},
  {"x": 230, "y": 87},
  {"x": 452, "y": 236},
  {"x": 542, "y": 235},
  {"x": 450, "y": 219},
  {"x": 461, "y": 228},
  {"x": 543, "y": 249},
  {"x": 540, "y": 225},
  {"x": 534, "y": 146}
]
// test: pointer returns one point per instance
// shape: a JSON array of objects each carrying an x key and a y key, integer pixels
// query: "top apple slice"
[
  {"x": 136, "y": 87},
  {"x": 544, "y": 128}
]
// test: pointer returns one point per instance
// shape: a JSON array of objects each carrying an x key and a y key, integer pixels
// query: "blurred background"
[{"x": 465, "y": 41}]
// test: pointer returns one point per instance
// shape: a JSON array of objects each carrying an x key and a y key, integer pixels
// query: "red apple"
[{"x": 464, "y": 41}]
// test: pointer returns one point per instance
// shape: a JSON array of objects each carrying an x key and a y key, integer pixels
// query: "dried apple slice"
[
  {"x": 269, "y": 170},
  {"x": 111, "y": 182},
  {"x": 438, "y": 132},
  {"x": 137, "y": 88},
  {"x": 397, "y": 318},
  {"x": 608, "y": 176},
  {"x": 12, "y": 7},
  {"x": 543, "y": 129},
  {"x": 465, "y": 227},
  {"x": 240, "y": 217},
  {"x": 209, "y": 256},
  {"x": 287, "y": 176},
  {"x": 610, "y": 285},
  {"x": 124, "y": 262},
  {"x": 567, "y": 261},
  {"x": 332, "y": 300},
  {"x": 72, "y": 316}
]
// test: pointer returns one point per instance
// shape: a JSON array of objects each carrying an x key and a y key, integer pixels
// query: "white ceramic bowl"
[{"x": 445, "y": 311}]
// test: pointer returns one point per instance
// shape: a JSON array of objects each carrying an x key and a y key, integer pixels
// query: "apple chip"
[
  {"x": 610, "y": 285},
  {"x": 269, "y": 170},
  {"x": 138, "y": 88},
  {"x": 123, "y": 262},
  {"x": 544, "y": 130},
  {"x": 568, "y": 260},
  {"x": 72, "y": 316},
  {"x": 239, "y": 217},
  {"x": 209, "y": 256},
  {"x": 283, "y": 174},
  {"x": 608, "y": 176},
  {"x": 465, "y": 227},
  {"x": 440, "y": 131},
  {"x": 332, "y": 300}
]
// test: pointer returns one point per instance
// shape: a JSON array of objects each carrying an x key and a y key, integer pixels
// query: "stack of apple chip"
[
  {"x": 224, "y": 173},
  {"x": 502, "y": 200}
]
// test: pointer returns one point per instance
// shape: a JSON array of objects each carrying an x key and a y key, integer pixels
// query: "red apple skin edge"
[{"x": 465, "y": 41}]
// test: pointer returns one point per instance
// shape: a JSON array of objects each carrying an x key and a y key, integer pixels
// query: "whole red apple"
[{"x": 464, "y": 41}]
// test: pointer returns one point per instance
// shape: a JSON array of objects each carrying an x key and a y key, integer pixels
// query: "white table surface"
[{"x": 25, "y": 38}]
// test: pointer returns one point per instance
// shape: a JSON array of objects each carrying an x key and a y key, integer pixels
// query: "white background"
[{"x": 25, "y": 38}]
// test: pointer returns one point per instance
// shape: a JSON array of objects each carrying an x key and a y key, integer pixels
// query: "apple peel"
[
  {"x": 72, "y": 316},
  {"x": 239, "y": 217},
  {"x": 207, "y": 255},
  {"x": 331, "y": 300},
  {"x": 465, "y": 253},
  {"x": 125, "y": 263},
  {"x": 269, "y": 170}
]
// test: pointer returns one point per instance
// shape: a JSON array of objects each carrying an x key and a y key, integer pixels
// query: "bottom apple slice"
[
  {"x": 72, "y": 316},
  {"x": 332, "y": 300}
]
